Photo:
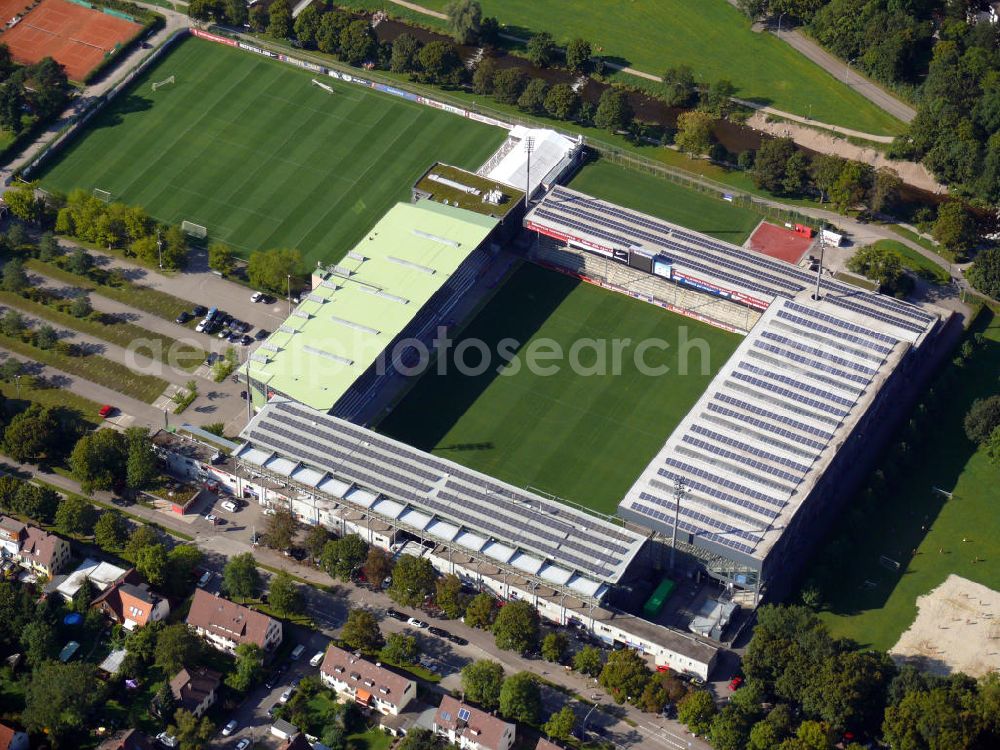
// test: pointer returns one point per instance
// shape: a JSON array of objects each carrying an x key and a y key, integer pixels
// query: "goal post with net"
[
  {"x": 164, "y": 82},
  {"x": 194, "y": 230},
  {"x": 103, "y": 195}
]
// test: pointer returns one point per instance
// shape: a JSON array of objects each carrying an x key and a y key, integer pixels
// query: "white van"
[
  {"x": 229, "y": 505},
  {"x": 317, "y": 659}
]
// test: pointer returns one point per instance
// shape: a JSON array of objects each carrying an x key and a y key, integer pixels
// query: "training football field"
[
  {"x": 583, "y": 437},
  {"x": 249, "y": 148}
]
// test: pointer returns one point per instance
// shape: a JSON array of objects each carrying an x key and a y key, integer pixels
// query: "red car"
[
  {"x": 735, "y": 683},
  {"x": 106, "y": 411}
]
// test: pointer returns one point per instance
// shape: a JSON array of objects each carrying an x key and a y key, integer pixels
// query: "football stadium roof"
[
  {"x": 766, "y": 429},
  {"x": 701, "y": 261},
  {"x": 439, "y": 499},
  {"x": 551, "y": 154},
  {"x": 341, "y": 327}
]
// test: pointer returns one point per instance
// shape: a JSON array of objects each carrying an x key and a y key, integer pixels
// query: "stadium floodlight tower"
[
  {"x": 529, "y": 146},
  {"x": 680, "y": 490},
  {"x": 819, "y": 266}
]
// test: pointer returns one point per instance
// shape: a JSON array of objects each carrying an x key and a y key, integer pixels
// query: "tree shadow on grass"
[{"x": 857, "y": 565}]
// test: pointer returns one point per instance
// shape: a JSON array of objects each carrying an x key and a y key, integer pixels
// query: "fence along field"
[
  {"x": 78, "y": 38},
  {"x": 248, "y": 148}
]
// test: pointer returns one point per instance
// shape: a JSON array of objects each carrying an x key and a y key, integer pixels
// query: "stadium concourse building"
[
  {"x": 757, "y": 470},
  {"x": 491, "y": 534}
]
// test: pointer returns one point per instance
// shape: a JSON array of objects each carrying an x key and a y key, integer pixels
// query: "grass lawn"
[
  {"x": 185, "y": 356},
  {"x": 247, "y": 147},
  {"x": 919, "y": 239},
  {"x": 667, "y": 200},
  {"x": 583, "y": 438},
  {"x": 893, "y": 526},
  {"x": 155, "y": 302},
  {"x": 31, "y": 392},
  {"x": 92, "y": 367},
  {"x": 910, "y": 258},
  {"x": 711, "y": 36},
  {"x": 373, "y": 739}
]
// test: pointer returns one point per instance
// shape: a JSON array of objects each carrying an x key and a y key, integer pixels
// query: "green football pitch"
[
  {"x": 584, "y": 437},
  {"x": 249, "y": 148}
]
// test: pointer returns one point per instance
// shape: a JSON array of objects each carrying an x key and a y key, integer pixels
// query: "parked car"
[
  {"x": 735, "y": 683},
  {"x": 416, "y": 623},
  {"x": 243, "y": 744},
  {"x": 287, "y": 695},
  {"x": 166, "y": 740},
  {"x": 246, "y": 340},
  {"x": 297, "y": 651},
  {"x": 229, "y": 505},
  {"x": 203, "y": 325},
  {"x": 257, "y": 297},
  {"x": 213, "y": 519},
  {"x": 183, "y": 318},
  {"x": 199, "y": 310},
  {"x": 457, "y": 640},
  {"x": 205, "y": 578},
  {"x": 106, "y": 411},
  {"x": 438, "y": 632},
  {"x": 261, "y": 334},
  {"x": 396, "y": 615},
  {"x": 317, "y": 659},
  {"x": 229, "y": 728}
]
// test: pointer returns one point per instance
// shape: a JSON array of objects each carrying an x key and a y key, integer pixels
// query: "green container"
[{"x": 654, "y": 605}]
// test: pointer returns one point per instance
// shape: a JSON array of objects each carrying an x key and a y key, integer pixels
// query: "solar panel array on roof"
[
  {"x": 518, "y": 522},
  {"x": 749, "y": 445},
  {"x": 598, "y": 224}
]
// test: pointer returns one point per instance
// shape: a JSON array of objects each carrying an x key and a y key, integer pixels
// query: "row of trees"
[
  {"x": 805, "y": 689},
  {"x": 115, "y": 225}
]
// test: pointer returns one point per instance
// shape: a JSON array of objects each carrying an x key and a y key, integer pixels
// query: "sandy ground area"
[
  {"x": 957, "y": 630},
  {"x": 910, "y": 172}
]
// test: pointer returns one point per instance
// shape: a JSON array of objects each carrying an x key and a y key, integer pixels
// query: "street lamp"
[
  {"x": 17, "y": 382},
  {"x": 289, "y": 279}
]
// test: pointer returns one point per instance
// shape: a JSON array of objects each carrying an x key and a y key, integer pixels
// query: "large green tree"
[
  {"x": 464, "y": 17},
  {"x": 696, "y": 710},
  {"x": 399, "y": 649},
  {"x": 412, "y": 580},
  {"x": 358, "y": 42},
  {"x": 361, "y": 631},
  {"x": 240, "y": 577},
  {"x": 984, "y": 274},
  {"x": 59, "y": 699},
  {"x": 76, "y": 516},
  {"x": 31, "y": 435},
  {"x": 142, "y": 467},
  {"x": 521, "y": 698},
  {"x": 481, "y": 612},
  {"x": 560, "y": 724},
  {"x": 111, "y": 530},
  {"x": 99, "y": 459},
  {"x": 275, "y": 270},
  {"x": 284, "y": 595},
  {"x": 625, "y": 675},
  {"x": 614, "y": 111},
  {"x": 248, "y": 667},
  {"x": 516, "y": 627},
  {"x": 177, "y": 647},
  {"x": 448, "y": 595},
  {"x": 192, "y": 733},
  {"x": 482, "y": 681},
  {"x": 342, "y": 557}
]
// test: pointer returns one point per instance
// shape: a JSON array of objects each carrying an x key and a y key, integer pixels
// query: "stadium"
[
  {"x": 737, "y": 493},
  {"x": 726, "y": 499}
]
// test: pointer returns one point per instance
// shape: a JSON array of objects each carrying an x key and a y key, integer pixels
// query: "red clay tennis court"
[
  {"x": 780, "y": 243},
  {"x": 76, "y": 37}
]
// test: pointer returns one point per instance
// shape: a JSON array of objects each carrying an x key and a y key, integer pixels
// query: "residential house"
[
  {"x": 366, "y": 683},
  {"x": 470, "y": 728},
  {"x": 12, "y": 739},
  {"x": 544, "y": 744},
  {"x": 102, "y": 575},
  {"x": 131, "y": 602},
  {"x": 131, "y": 739},
  {"x": 226, "y": 625},
  {"x": 195, "y": 690},
  {"x": 34, "y": 549}
]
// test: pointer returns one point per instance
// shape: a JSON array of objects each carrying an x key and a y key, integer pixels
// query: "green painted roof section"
[{"x": 342, "y": 326}]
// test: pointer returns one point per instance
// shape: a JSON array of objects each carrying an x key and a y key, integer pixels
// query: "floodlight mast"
[
  {"x": 822, "y": 252},
  {"x": 529, "y": 146},
  {"x": 680, "y": 489}
]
